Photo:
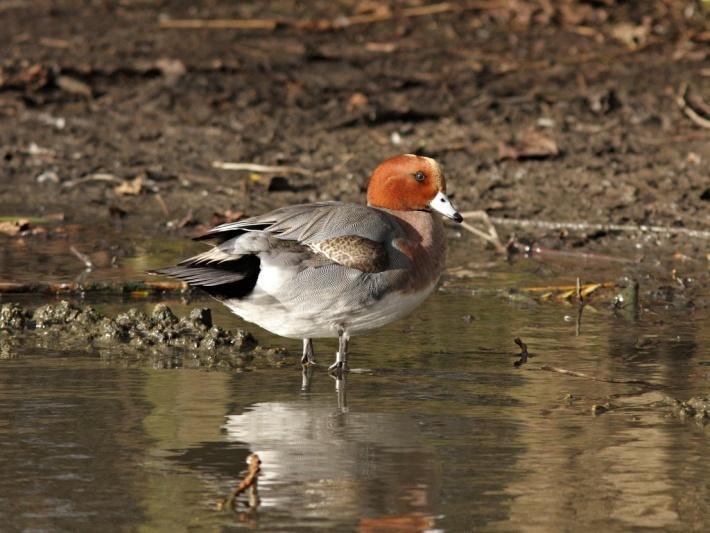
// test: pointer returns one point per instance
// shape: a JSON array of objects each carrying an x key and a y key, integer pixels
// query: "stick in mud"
[
  {"x": 328, "y": 25},
  {"x": 586, "y": 226},
  {"x": 523, "y": 352},
  {"x": 582, "y": 375},
  {"x": 491, "y": 236},
  {"x": 249, "y": 482},
  {"x": 266, "y": 169},
  {"x": 82, "y": 257},
  {"x": 581, "y": 302},
  {"x": 692, "y": 114}
]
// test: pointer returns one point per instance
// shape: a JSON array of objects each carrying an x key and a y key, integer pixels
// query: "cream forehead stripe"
[{"x": 436, "y": 171}]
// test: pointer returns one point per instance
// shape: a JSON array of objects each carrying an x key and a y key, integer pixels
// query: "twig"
[
  {"x": 689, "y": 111},
  {"x": 523, "y": 352},
  {"x": 162, "y": 204},
  {"x": 533, "y": 250},
  {"x": 584, "y": 287},
  {"x": 92, "y": 177},
  {"x": 82, "y": 257},
  {"x": 139, "y": 288},
  {"x": 264, "y": 169},
  {"x": 220, "y": 24},
  {"x": 491, "y": 236},
  {"x": 249, "y": 480},
  {"x": 692, "y": 136},
  {"x": 328, "y": 25},
  {"x": 582, "y": 375},
  {"x": 586, "y": 226},
  {"x": 580, "y": 308}
]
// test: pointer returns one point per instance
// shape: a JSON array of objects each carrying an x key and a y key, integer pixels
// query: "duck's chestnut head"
[{"x": 410, "y": 183}]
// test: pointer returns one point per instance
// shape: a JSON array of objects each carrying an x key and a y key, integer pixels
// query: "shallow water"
[{"x": 436, "y": 431}]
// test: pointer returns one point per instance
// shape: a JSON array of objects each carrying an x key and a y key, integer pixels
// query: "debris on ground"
[
  {"x": 248, "y": 483},
  {"x": 167, "y": 340}
]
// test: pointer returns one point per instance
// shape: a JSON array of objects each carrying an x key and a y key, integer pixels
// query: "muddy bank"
[
  {"x": 160, "y": 338},
  {"x": 548, "y": 111},
  {"x": 646, "y": 402}
]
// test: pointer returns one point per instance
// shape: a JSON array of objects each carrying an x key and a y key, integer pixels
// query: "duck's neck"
[{"x": 425, "y": 244}]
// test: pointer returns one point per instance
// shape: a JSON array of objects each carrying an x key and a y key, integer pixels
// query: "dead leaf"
[
  {"x": 73, "y": 86},
  {"x": 54, "y": 43},
  {"x": 32, "y": 78},
  {"x": 370, "y": 7},
  {"x": 226, "y": 217},
  {"x": 631, "y": 35},
  {"x": 356, "y": 101},
  {"x": 130, "y": 187},
  {"x": 383, "y": 48},
  {"x": 172, "y": 69},
  {"x": 532, "y": 145},
  {"x": 14, "y": 227}
]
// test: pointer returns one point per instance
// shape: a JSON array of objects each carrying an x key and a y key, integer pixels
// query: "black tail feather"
[{"x": 223, "y": 280}]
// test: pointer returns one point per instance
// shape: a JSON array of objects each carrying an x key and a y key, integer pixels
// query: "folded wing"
[{"x": 299, "y": 237}]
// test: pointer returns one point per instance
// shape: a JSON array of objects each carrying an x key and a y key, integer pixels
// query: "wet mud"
[
  {"x": 159, "y": 338},
  {"x": 538, "y": 111}
]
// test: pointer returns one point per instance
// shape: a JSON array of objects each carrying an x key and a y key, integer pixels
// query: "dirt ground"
[{"x": 555, "y": 111}]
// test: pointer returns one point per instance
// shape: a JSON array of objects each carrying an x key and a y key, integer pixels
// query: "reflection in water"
[
  {"x": 443, "y": 434},
  {"x": 347, "y": 463}
]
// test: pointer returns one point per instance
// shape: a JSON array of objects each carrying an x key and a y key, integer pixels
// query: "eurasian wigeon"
[{"x": 332, "y": 269}]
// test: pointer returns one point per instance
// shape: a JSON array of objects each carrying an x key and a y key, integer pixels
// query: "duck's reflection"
[
  {"x": 331, "y": 464},
  {"x": 325, "y": 458}
]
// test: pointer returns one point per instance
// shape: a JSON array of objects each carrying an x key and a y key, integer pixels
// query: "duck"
[{"x": 332, "y": 269}]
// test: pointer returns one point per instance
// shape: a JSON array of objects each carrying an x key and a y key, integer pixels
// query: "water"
[{"x": 437, "y": 432}]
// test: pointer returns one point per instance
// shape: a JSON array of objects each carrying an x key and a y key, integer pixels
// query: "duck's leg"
[
  {"x": 307, "y": 357},
  {"x": 306, "y": 378},
  {"x": 341, "y": 357}
]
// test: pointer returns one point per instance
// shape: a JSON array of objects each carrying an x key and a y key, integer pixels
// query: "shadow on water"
[{"x": 439, "y": 431}]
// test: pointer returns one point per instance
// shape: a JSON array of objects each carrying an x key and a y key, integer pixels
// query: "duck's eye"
[{"x": 419, "y": 175}]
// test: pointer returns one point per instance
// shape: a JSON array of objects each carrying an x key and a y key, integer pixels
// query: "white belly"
[{"x": 325, "y": 318}]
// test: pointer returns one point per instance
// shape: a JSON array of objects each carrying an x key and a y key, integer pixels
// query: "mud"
[
  {"x": 161, "y": 338},
  {"x": 696, "y": 409},
  {"x": 103, "y": 110}
]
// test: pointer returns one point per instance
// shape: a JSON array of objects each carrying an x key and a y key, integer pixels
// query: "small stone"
[
  {"x": 599, "y": 409},
  {"x": 48, "y": 176}
]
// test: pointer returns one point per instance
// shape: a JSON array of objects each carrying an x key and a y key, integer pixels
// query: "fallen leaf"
[
  {"x": 73, "y": 86},
  {"x": 226, "y": 217},
  {"x": 32, "y": 78},
  {"x": 130, "y": 187},
  {"x": 532, "y": 145},
  {"x": 631, "y": 35},
  {"x": 383, "y": 48},
  {"x": 172, "y": 69},
  {"x": 14, "y": 227},
  {"x": 586, "y": 290},
  {"x": 356, "y": 101},
  {"x": 54, "y": 43}
]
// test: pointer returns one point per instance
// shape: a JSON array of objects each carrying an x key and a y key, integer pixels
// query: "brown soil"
[{"x": 99, "y": 87}]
